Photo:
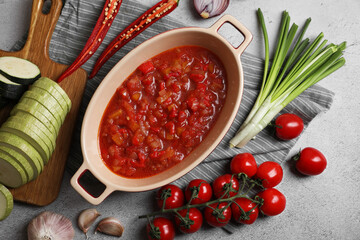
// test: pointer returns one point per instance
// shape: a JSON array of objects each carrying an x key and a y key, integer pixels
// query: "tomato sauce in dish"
[{"x": 162, "y": 111}]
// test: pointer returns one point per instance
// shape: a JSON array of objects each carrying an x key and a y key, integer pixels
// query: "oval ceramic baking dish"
[{"x": 205, "y": 37}]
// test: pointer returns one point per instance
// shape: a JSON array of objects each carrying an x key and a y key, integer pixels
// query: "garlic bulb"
[
  {"x": 52, "y": 226},
  {"x": 87, "y": 218},
  {"x": 110, "y": 226},
  {"x": 210, "y": 8}
]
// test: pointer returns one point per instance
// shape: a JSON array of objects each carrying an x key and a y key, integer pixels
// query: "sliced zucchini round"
[
  {"x": 10, "y": 95},
  {"x": 24, "y": 148},
  {"x": 6, "y": 202},
  {"x": 55, "y": 90},
  {"x": 21, "y": 160},
  {"x": 35, "y": 108},
  {"x": 11, "y": 173},
  {"x": 37, "y": 126},
  {"x": 11, "y": 89},
  {"x": 30, "y": 133},
  {"x": 55, "y": 94},
  {"x": 19, "y": 70},
  {"x": 50, "y": 103},
  {"x": 48, "y": 82}
]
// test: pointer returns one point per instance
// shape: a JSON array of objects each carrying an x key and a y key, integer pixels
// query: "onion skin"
[{"x": 210, "y": 8}]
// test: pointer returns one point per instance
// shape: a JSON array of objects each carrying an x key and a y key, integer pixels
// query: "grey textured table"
[{"x": 322, "y": 207}]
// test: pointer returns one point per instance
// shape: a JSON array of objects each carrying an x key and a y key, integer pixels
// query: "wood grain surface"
[{"x": 45, "y": 188}]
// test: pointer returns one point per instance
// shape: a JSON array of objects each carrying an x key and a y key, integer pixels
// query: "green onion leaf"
[{"x": 297, "y": 65}]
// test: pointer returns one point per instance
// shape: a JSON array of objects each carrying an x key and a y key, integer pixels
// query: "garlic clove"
[
  {"x": 210, "y": 8},
  {"x": 110, "y": 226},
  {"x": 50, "y": 225},
  {"x": 86, "y": 218}
]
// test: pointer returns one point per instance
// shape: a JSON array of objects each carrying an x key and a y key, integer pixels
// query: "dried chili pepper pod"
[
  {"x": 102, "y": 26},
  {"x": 152, "y": 15}
]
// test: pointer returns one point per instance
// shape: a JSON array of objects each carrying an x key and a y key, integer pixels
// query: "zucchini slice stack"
[
  {"x": 16, "y": 74},
  {"x": 28, "y": 136}
]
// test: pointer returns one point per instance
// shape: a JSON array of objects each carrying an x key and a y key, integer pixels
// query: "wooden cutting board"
[{"x": 45, "y": 188}]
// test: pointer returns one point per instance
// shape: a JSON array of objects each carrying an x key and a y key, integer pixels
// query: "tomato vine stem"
[{"x": 239, "y": 194}]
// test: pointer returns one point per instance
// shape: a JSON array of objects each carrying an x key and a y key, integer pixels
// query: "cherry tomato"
[
  {"x": 271, "y": 174},
  {"x": 243, "y": 163},
  {"x": 274, "y": 202},
  {"x": 160, "y": 229},
  {"x": 191, "y": 222},
  {"x": 310, "y": 161},
  {"x": 201, "y": 189},
  {"x": 217, "y": 214},
  {"x": 224, "y": 182},
  {"x": 173, "y": 194},
  {"x": 288, "y": 126},
  {"x": 244, "y": 211}
]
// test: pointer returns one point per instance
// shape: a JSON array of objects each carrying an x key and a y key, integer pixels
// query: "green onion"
[{"x": 297, "y": 65}]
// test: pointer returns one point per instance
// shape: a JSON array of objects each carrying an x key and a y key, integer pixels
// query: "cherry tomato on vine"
[
  {"x": 191, "y": 220},
  {"x": 243, "y": 163},
  {"x": 160, "y": 229},
  {"x": 173, "y": 194},
  {"x": 288, "y": 126},
  {"x": 201, "y": 189},
  {"x": 217, "y": 214},
  {"x": 225, "y": 186},
  {"x": 274, "y": 202},
  {"x": 271, "y": 174},
  {"x": 244, "y": 211},
  {"x": 310, "y": 161}
]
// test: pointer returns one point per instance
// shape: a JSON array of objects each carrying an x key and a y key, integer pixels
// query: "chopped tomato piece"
[
  {"x": 146, "y": 67},
  {"x": 134, "y": 84},
  {"x": 193, "y": 103},
  {"x": 138, "y": 138}
]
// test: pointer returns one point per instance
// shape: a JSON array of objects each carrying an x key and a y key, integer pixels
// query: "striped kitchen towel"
[{"x": 71, "y": 33}]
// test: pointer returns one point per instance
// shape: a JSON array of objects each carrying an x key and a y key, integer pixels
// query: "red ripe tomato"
[
  {"x": 310, "y": 161},
  {"x": 274, "y": 202},
  {"x": 288, "y": 126},
  {"x": 225, "y": 186},
  {"x": 200, "y": 190},
  {"x": 217, "y": 214},
  {"x": 160, "y": 229},
  {"x": 186, "y": 226},
  {"x": 243, "y": 163},
  {"x": 271, "y": 174},
  {"x": 244, "y": 211},
  {"x": 173, "y": 195}
]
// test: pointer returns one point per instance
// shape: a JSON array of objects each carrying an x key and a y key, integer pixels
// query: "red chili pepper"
[
  {"x": 152, "y": 15},
  {"x": 108, "y": 14}
]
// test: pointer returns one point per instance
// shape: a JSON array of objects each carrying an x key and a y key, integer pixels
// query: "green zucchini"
[
  {"x": 48, "y": 102},
  {"x": 30, "y": 133},
  {"x": 38, "y": 111},
  {"x": 21, "y": 160},
  {"x": 24, "y": 148},
  {"x": 10, "y": 89},
  {"x": 54, "y": 89},
  {"x": 37, "y": 126},
  {"x": 11, "y": 173},
  {"x": 19, "y": 70},
  {"x": 6, "y": 202}
]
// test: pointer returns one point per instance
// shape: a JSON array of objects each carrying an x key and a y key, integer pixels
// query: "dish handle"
[
  {"x": 239, "y": 26},
  {"x": 82, "y": 191}
]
